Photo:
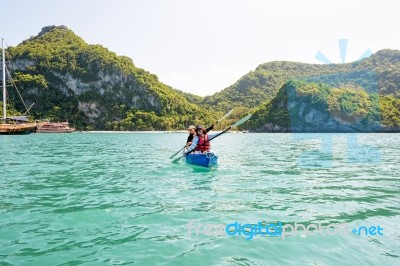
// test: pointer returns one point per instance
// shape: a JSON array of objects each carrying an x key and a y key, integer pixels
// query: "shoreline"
[
  {"x": 232, "y": 132},
  {"x": 150, "y": 132}
]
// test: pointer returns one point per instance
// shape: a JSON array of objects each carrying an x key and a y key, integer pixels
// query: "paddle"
[
  {"x": 241, "y": 121},
  {"x": 219, "y": 120}
]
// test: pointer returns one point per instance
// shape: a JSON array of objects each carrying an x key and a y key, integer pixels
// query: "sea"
[{"x": 273, "y": 199}]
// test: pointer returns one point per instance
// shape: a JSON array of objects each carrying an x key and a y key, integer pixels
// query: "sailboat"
[{"x": 13, "y": 124}]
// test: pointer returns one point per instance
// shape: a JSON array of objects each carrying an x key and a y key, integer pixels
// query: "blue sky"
[{"x": 204, "y": 46}]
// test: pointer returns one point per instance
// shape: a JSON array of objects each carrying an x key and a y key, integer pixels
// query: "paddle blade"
[
  {"x": 225, "y": 116},
  {"x": 177, "y": 159},
  {"x": 241, "y": 121}
]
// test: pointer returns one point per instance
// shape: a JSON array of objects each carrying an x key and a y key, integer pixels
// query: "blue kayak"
[{"x": 207, "y": 159}]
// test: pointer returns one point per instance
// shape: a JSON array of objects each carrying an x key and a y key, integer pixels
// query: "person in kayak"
[
  {"x": 201, "y": 141},
  {"x": 192, "y": 133}
]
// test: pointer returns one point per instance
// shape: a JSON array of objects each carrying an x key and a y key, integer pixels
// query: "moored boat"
[
  {"x": 52, "y": 127},
  {"x": 12, "y": 129},
  {"x": 207, "y": 159},
  {"x": 15, "y": 124}
]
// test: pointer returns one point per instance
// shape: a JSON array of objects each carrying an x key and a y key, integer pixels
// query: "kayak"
[{"x": 207, "y": 159}]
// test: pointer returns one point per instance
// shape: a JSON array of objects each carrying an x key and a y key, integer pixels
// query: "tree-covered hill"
[
  {"x": 302, "y": 106},
  {"x": 262, "y": 85},
  {"x": 94, "y": 88}
]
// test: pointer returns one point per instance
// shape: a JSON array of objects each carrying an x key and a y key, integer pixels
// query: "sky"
[{"x": 204, "y": 46}]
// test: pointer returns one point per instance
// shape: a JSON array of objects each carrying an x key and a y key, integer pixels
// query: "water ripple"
[{"x": 82, "y": 198}]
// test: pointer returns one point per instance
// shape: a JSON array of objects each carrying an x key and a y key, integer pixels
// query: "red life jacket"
[{"x": 203, "y": 144}]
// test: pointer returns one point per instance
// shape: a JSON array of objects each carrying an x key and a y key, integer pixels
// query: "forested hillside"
[
  {"x": 262, "y": 85},
  {"x": 94, "y": 88},
  {"x": 302, "y": 106}
]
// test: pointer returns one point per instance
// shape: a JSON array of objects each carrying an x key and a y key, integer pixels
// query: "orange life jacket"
[{"x": 203, "y": 144}]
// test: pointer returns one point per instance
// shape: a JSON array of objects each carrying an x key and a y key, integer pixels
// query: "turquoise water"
[{"x": 94, "y": 199}]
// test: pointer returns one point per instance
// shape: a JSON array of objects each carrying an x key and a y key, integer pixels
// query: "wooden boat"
[
  {"x": 15, "y": 124},
  {"x": 14, "y": 127}
]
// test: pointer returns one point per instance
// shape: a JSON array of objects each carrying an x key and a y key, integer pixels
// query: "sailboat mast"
[{"x": 4, "y": 80}]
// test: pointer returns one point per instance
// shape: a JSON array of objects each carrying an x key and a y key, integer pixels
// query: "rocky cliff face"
[
  {"x": 94, "y": 95},
  {"x": 311, "y": 107}
]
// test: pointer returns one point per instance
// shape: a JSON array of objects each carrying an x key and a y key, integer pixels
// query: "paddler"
[{"x": 201, "y": 141}]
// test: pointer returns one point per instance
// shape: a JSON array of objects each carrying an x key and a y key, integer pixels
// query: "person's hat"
[
  {"x": 191, "y": 127},
  {"x": 199, "y": 127}
]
